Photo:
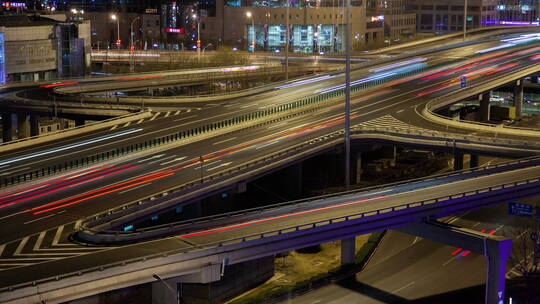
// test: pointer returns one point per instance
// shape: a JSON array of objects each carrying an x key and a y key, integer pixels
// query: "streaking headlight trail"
[
  {"x": 368, "y": 79},
  {"x": 398, "y": 64},
  {"x": 67, "y": 147},
  {"x": 306, "y": 81}
]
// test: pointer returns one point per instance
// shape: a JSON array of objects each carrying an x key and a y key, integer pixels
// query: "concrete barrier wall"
[{"x": 10, "y": 146}]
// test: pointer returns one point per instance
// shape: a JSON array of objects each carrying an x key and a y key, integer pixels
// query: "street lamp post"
[
  {"x": 195, "y": 17},
  {"x": 287, "y": 42},
  {"x": 465, "y": 20},
  {"x": 347, "y": 95},
  {"x": 132, "y": 34},
  {"x": 114, "y": 17},
  {"x": 131, "y": 46},
  {"x": 206, "y": 47},
  {"x": 249, "y": 15}
]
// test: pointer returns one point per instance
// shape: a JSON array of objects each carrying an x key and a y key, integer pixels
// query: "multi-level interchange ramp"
[{"x": 56, "y": 184}]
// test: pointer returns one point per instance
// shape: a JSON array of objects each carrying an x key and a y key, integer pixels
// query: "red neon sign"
[{"x": 175, "y": 30}]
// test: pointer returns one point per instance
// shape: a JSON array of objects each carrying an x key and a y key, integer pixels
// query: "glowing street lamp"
[{"x": 118, "y": 41}]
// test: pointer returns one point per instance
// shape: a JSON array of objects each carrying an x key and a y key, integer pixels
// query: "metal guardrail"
[
  {"x": 281, "y": 231},
  {"x": 105, "y": 217},
  {"x": 462, "y": 93},
  {"x": 66, "y": 130}
]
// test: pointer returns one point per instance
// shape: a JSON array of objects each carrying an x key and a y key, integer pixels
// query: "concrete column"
[
  {"x": 7, "y": 127},
  {"x": 358, "y": 162},
  {"x": 497, "y": 254},
  {"x": 163, "y": 294},
  {"x": 518, "y": 97},
  {"x": 23, "y": 126},
  {"x": 348, "y": 251},
  {"x": 458, "y": 161},
  {"x": 34, "y": 125},
  {"x": 485, "y": 106},
  {"x": 496, "y": 249},
  {"x": 79, "y": 122},
  {"x": 474, "y": 160}
]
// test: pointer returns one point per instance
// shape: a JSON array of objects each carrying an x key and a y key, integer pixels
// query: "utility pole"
[
  {"x": 347, "y": 95},
  {"x": 287, "y": 38},
  {"x": 465, "y": 21}
]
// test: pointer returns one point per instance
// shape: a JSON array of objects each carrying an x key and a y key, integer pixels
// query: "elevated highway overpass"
[{"x": 166, "y": 161}]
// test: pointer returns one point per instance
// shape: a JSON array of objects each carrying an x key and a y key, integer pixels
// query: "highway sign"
[
  {"x": 520, "y": 209},
  {"x": 463, "y": 81}
]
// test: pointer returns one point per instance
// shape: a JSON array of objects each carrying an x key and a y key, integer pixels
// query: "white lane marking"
[
  {"x": 246, "y": 106},
  {"x": 151, "y": 157},
  {"x": 140, "y": 120},
  {"x": 22, "y": 243},
  {"x": 174, "y": 160},
  {"x": 13, "y": 171},
  {"x": 187, "y": 117},
  {"x": 127, "y": 124},
  {"x": 122, "y": 192},
  {"x": 416, "y": 239},
  {"x": 401, "y": 288},
  {"x": 155, "y": 161},
  {"x": 167, "y": 114},
  {"x": 222, "y": 141},
  {"x": 266, "y": 145},
  {"x": 154, "y": 117},
  {"x": 400, "y": 111},
  {"x": 57, "y": 235},
  {"x": 198, "y": 167},
  {"x": 78, "y": 225},
  {"x": 39, "y": 240},
  {"x": 499, "y": 228},
  {"x": 2, "y": 247},
  {"x": 177, "y": 112},
  {"x": 66, "y": 147},
  {"x": 277, "y": 125},
  {"x": 188, "y": 110},
  {"x": 38, "y": 219},
  {"x": 114, "y": 127},
  {"x": 449, "y": 261},
  {"x": 222, "y": 165}
]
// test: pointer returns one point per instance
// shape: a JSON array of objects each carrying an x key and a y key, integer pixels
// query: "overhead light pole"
[
  {"x": 347, "y": 95},
  {"x": 287, "y": 39},
  {"x": 465, "y": 20},
  {"x": 117, "y": 19},
  {"x": 196, "y": 18},
  {"x": 250, "y": 16},
  {"x": 131, "y": 46}
]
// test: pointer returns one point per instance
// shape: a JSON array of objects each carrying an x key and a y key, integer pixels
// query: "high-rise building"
[{"x": 447, "y": 15}]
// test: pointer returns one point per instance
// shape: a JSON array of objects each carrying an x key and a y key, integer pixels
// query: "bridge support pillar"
[
  {"x": 496, "y": 249},
  {"x": 348, "y": 251},
  {"x": 485, "y": 106},
  {"x": 458, "y": 161},
  {"x": 518, "y": 97},
  {"x": 23, "y": 126},
  {"x": 475, "y": 161},
  {"x": 34, "y": 125},
  {"x": 7, "y": 127},
  {"x": 358, "y": 167}
]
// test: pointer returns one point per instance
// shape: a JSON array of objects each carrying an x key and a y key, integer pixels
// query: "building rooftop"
[{"x": 23, "y": 20}]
